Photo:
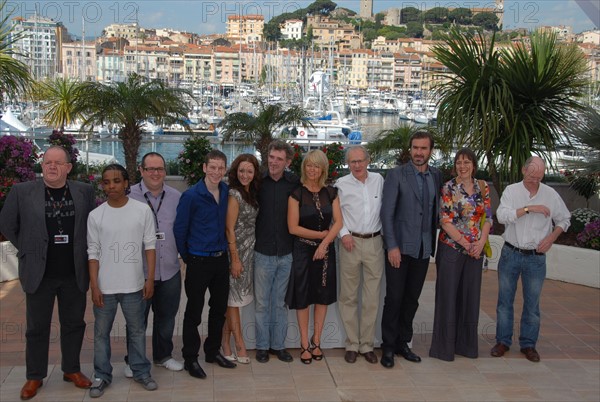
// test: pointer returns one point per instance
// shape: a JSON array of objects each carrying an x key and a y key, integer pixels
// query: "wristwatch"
[{"x": 526, "y": 210}]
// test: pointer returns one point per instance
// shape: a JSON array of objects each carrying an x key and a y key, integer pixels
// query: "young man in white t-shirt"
[{"x": 118, "y": 232}]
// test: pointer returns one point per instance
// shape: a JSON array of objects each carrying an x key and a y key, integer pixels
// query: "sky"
[{"x": 206, "y": 17}]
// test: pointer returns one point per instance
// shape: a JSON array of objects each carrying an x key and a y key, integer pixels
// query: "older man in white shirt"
[
  {"x": 534, "y": 215},
  {"x": 361, "y": 254}
]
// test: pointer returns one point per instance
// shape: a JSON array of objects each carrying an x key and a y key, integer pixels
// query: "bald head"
[{"x": 533, "y": 171}]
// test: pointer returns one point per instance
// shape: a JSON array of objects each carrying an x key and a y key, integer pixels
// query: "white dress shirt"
[
  {"x": 360, "y": 203},
  {"x": 530, "y": 229}
]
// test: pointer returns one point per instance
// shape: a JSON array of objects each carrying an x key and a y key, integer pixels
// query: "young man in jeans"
[{"x": 273, "y": 254}]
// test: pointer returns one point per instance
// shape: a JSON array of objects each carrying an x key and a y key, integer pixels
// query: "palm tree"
[
  {"x": 128, "y": 104},
  {"x": 397, "y": 140},
  {"x": 16, "y": 78},
  {"x": 62, "y": 95},
  {"x": 511, "y": 103},
  {"x": 258, "y": 129}
]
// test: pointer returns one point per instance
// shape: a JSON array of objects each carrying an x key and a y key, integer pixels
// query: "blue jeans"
[
  {"x": 132, "y": 306},
  {"x": 532, "y": 269},
  {"x": 271, "y": 277},
  {"x": 164, "y": 304}
]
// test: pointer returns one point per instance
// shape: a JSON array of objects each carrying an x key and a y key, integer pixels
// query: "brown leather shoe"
[
  {"x": 30, "y": 389},
  {"x": 371, "y": 357},
  {"x": 350, "y": 356},
  {"x": 499, "y": 350},
  {"x": 531, "y": 354},
  {"x": 79, "y": 379}
]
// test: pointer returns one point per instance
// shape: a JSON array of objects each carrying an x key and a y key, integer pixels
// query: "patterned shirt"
[{"x": 464, "y": 211}]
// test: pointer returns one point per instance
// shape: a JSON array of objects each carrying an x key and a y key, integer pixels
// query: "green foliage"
[
  {"x": 191, "y": 159},
  {"x": 414, "y": 30},
  {"x": 410, "y": 14},
  {"x": 128, "y": 104},
  {"x": 259, "y": 129},
  {"x": 436, "y": 15},
  {"x": 15, "y": 76},
  {"x": 62, "y": 96},
  {"x": 487, "y": 21},
  {"x": 508, "y": 104},
  {"x": 460, "y": 15}
]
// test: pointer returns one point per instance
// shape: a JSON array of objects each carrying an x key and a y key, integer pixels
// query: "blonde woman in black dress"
[{"x": 315, "y": 218}]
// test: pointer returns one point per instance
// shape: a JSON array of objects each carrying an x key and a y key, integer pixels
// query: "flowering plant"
[
  {"x": 67, "y": 141},
  {"x": 590, "y": 236},
  {"x": 192, "y": 157},
  {"x": 580, "y": 217},
  {"x": 96, "y": 182},
  {"x": 335, "y": 155},
  {"x": 17, "y": 158},
  {"x": 296, "y": 165}
]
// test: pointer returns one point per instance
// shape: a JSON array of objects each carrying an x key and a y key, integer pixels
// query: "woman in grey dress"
[{"x": 242, "y": 209}]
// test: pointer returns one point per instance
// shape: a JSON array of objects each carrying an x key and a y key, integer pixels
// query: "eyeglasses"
[
  {"x": 55, "y": 163},
  {"x": 154, "y": 169},
  {"x": 358, "y": 161}
]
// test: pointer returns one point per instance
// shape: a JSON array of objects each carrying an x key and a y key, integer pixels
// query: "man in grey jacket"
[
  {"x": 409, "y": 217},
  {"x": 47, "y": 221}
]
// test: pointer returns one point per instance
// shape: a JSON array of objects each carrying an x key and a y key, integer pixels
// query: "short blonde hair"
[{"x": 316, "y": 157}]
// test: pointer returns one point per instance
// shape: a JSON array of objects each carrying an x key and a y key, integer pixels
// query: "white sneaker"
[
  {"x": 127, "y": 371},
  {"x": 172, "y": 365}
]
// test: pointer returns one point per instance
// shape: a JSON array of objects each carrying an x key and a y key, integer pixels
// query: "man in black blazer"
[
  {"x": 409, "y": 217},
  {"x": 47, "y": 221}
]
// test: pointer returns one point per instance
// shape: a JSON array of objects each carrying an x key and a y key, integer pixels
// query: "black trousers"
[
  {"x": 38, "y": 311},
  {"x": 204, "y": 273},
  {"x": 403, "y": 288},
  {"x": 457, "y": 296}
]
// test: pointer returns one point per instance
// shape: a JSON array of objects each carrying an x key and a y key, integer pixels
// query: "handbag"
[{"x": 487, "y": 248}]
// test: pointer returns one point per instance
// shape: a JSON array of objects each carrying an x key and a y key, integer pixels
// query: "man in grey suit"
[
  {"x": 47, "y": 221},
  {"x": 409, "y": 217}
]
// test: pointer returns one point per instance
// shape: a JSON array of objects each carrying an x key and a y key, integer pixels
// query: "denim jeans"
[
  {"x": 164, "y": 304},
  {"x": 532, "y": 269},
  {"x": 132, "y": 306},
  {"x": 271, "y": 277}
]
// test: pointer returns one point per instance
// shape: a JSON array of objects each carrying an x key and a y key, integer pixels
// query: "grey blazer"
[
  {"x": 23, "y": 222},
  {"x": 402, "y": 208}
]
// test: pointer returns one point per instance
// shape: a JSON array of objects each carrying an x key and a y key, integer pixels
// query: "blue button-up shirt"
[
  {"x": 167, "y": 262},
  {"x": 200, "y": 222}
]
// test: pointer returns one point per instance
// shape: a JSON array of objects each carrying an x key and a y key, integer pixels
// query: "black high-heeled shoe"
[
  {"x": 302, "y": 350},
  {"x": 314, "y": 347}
]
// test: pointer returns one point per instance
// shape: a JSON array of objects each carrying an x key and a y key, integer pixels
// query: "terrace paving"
[{"x": 569, "y": 346}]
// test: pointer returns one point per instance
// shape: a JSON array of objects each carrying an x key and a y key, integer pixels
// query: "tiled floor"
[{"x": 569, "y": 371}]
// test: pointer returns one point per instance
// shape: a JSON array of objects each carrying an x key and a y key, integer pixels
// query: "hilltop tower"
[
  {"x": 500, "y": 12},
  {"x": 366, "y": 9}
]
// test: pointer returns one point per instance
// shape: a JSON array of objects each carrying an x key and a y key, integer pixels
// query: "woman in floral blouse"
[{"x": 465, "y": 201}]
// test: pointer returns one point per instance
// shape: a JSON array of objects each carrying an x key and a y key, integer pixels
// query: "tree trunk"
[{"x": 131, "y": 144}]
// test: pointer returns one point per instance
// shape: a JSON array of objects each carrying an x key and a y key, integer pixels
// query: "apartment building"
[
  {"x": 125, "y": 31},
  {"x": 245, "y": 28},
  {"x": 38, "y": 44},
  {"x": 291, "y": 29},
  {"x": 333, "y": 35},
  {"x": 79, "y": 60}
]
